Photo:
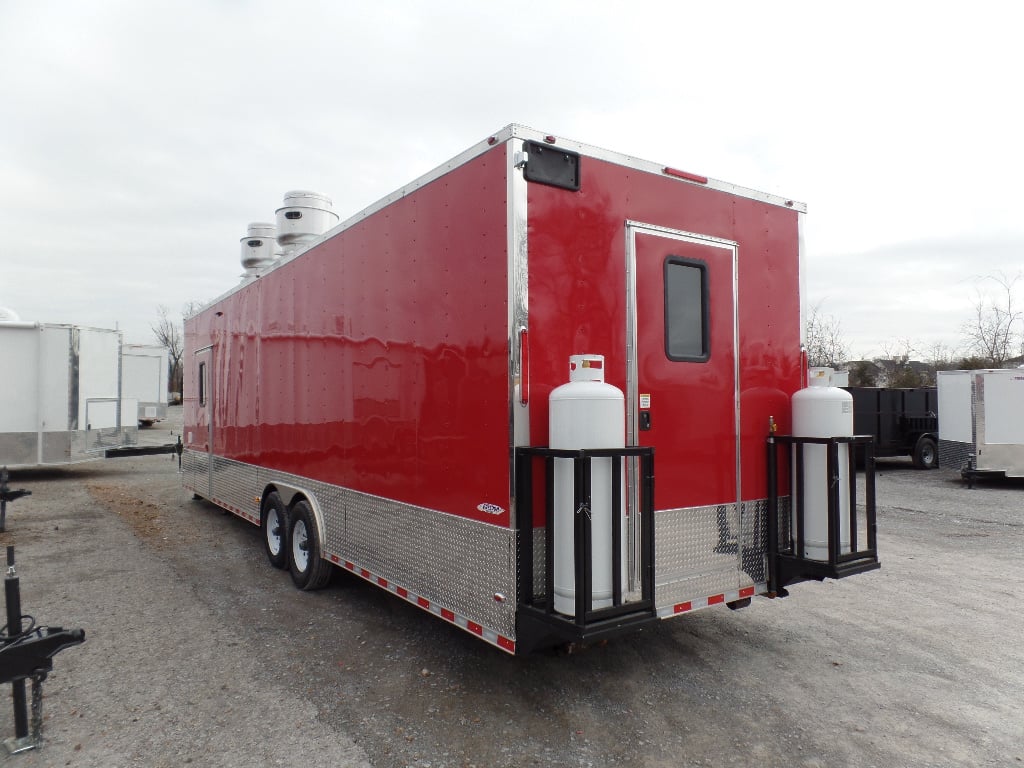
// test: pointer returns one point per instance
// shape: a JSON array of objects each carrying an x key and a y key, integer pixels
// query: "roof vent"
[
  {"x": 303, "y": 218},
  {"x": 259, "y": 248}
]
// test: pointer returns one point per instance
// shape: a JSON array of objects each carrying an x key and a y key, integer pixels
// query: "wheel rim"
[
  {"x": 274, "y": 539},
  {"x": 927, "y": 454},
  {"x": 300, "y": 546}
]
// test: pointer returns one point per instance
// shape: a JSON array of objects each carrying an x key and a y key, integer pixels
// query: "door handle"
[{"x": 645, "y": 421}]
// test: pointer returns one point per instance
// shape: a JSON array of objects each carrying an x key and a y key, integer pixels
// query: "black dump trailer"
[{"x": 903, "y": 421}]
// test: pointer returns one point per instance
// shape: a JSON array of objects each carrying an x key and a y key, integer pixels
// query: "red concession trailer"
[{"x": 377, "y": 397}]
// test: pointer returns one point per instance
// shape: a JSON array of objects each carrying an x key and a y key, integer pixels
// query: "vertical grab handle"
[{"x": 524, "y": 366}]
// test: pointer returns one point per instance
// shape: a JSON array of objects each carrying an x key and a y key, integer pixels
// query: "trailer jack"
[
  {"x": 7, "y": 494},
  {"x": 28, "y": 654}
]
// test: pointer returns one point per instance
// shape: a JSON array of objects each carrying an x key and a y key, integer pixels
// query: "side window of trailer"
[
  {"x": 686, "y": 310},
  {"x": 202, "y": 383}
]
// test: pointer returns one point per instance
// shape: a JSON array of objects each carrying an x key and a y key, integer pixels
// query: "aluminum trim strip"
[
  {"x": 802, "y": 282},
  {"x": 632, "y": 395},
  {"x": 518, "y": 307},
  {"x": 74, "y": 377},
  {"x": 520, "y": 133},
  {"x": 461, "y": 159},
  {"x": 736, "y": 365},
  {"x": 635, "y": 163}
]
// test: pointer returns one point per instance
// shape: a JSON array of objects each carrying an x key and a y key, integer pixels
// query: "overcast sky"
[{"x": 138, "y": 139}]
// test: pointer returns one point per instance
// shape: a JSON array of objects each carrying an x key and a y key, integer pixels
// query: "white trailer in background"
[
  {"x": 144, "y": 378},
  {"x": 60, "y": 394},
  {"x": 981, "y": 421}
]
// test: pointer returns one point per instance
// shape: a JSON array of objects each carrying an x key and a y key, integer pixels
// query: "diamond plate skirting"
[
  {"x": 954, "y": 455},
  {"x": 701, "y": 551},
  {"x": 462, "y": 564},
  {"x": 696, "y": 553},
  {"x": 457, "y": 563}
]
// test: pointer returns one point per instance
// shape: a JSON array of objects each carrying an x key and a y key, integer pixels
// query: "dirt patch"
[{"x": 147, "y": 518}]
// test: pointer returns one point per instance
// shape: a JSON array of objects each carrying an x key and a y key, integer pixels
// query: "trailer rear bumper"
[{"x": 536, "y": 628}]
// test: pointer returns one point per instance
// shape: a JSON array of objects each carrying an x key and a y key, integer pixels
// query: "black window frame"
[
  {"x": 705, "y": 309},
  {"x": 202, "y": 383}
]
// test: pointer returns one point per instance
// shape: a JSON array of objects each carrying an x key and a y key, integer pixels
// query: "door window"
[{"x": 686, "y": 310}]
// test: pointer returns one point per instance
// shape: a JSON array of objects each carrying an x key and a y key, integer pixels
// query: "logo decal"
[{"x": 490, "y": 509}]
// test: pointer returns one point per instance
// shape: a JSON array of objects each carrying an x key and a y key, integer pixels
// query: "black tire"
[
  {"x": 274, "y": 527},
  {"x": 926, "y": 453},
  {"x": 305, "y": 555}
]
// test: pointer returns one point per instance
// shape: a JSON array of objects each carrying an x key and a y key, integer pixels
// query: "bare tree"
[
  {"x": 192, "y": 308},
  {"x": 941, "y": 357},
  {"x": 900, "y": 369},
  {"x": 863, "y": 373},
  {"x": 169, "y": 334},
  {"x": 826, "y": 346},
  {"x": 994, "y": 332}
]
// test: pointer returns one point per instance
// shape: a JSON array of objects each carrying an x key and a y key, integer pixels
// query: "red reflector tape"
[
  {"x": 716, "y": 599},
  {"x": 475, "y": 628},
  {"x": 383, "y": 582},
  {"x": 364, "y": 573},
  {"x": 684, "y": 175},
  {"x": 350, "y": 566},
  {"x": 422, "y": 602},
  {"x": 402, "y": 592},
  {"x": 682, "y": 607},
  {"x": 748, "y": 592},
  {"x": 508, "y": 645},
  {"x": 446, "y": 614}
]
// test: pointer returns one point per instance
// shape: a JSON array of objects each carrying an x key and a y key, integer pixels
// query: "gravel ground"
[{"x": 197, "y": 652}]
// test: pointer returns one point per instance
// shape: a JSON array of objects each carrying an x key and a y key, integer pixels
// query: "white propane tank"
[
  {"x": 303, "y": 217},
  {"x": 586, "y": 413},
  {"x": 821, "y": 410},
  {"x": 259, "y": 247}
]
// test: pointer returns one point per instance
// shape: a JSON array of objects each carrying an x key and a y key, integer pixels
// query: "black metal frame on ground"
[
  {"x": 27, "y": 653},
  {"x": 7, "y": 494},
  {"x": 786, "y": 564},
  {"x": 537, "y": 623}
]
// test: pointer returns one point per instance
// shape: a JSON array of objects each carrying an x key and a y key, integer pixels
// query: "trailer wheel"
[
  {"x": 309, "y": 569},
  {"x": 274, "y": 526},
  {"x": 926, "y": 454}
]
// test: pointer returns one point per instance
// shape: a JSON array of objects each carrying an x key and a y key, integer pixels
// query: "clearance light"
[
  {"x": 549, "y": 139},
  {"x": 684, "y": 175}
]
